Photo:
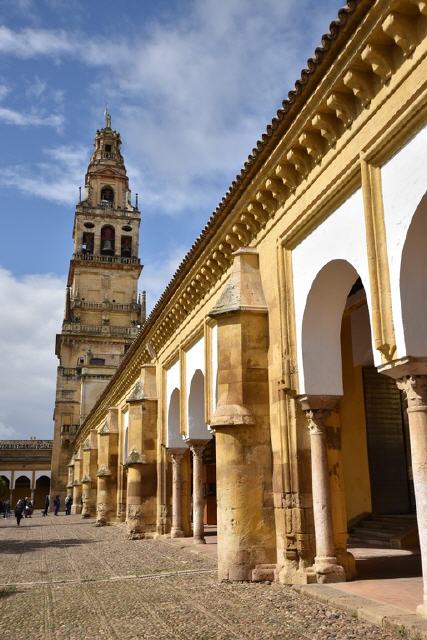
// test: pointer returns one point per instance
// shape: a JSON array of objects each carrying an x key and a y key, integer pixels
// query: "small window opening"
[{"x": 108, "y": 148}]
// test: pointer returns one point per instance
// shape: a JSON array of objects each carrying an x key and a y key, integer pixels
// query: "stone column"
[
  {"x": 411, "y": 377},
  {"x": 141, "y": 461},
  {"x": 196, "y": 448},
  {"x": 317, "y": 408},
  {"x": 70, "y": 478},
  {"x": 108, "y": 439},
  {"x": 76, "y": 507},
  {"x": 88, "y": 480},
  {"x": 246, "y": 530},
  {"x": 176, "y": 457}
]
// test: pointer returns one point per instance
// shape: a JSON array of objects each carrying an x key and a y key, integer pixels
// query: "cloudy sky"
[{"x": 191, "y": 85}]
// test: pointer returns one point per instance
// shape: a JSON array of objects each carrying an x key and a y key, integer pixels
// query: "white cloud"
[
  {"x": 55, "y": 179},
  {"x": 22, "y": 119},
  {"x": 195, "y": 93},
  {"x": 31, "y": 310}
]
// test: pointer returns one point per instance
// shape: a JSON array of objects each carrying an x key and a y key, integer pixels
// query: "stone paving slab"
[{"x": 64, "y": 579}]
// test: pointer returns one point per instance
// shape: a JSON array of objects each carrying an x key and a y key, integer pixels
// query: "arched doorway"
[
  {"x": 367, "y": 440},
  {"x": 4, "y": 488},
  {"x": 41, "y": 491},
  {"x": 198, "y": 431},
  {"x": 22, "y": 489}
]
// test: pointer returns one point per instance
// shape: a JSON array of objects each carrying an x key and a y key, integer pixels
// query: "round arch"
[
  {"x": 22, "y": 487},
  {"x": 197, "y": 428},
  {"x": 174, "y": 439},
  {"x": 321, "y": 329},
  {"x": 107, "y": 195},
  {"x": 413, "y": 284}
]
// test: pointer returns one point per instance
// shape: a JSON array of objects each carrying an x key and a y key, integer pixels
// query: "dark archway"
[
  {"x": 41, "y": 491},
  {"x": 107, "y": 196}
]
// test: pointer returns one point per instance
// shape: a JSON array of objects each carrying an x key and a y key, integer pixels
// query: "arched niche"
[
  {"x": 197, "y": 428},
  {"x": 174, "y": 439},
  {"x": 413, "y": 284},
  {"x": 321, "y": 329}
]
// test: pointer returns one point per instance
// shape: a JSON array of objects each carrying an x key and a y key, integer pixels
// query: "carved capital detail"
[
  {"x": 415, "y": 390},
  {"x": 315, "y": 420}
]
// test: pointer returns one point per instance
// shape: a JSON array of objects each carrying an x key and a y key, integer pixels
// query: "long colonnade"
[{"x": 283, "y": 330}]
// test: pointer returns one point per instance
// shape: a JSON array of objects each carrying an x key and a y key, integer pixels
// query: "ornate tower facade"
[{"x": 102, "y": 309}]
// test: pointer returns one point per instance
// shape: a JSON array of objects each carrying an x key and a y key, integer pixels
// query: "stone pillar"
[
  {"x": 411, "y": 377},
  {"x": 142, "y": 459},
  {"x": 326, "y": 566},
  {"x": 246, "y": 530},
  {"x": 196, "y": 448},
  {"x": 70, "y": 478},
  {"x": 76, "y": 507},
  {"x": 176, "y": 457},
  {"x": 88, "y": 480},
  {"x": 108, "y": 441}
]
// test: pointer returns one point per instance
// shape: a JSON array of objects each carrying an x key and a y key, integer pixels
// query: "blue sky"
[{"x": 190, "y": 85}]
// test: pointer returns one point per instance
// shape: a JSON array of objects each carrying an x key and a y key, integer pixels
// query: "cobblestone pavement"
[{"x": 63, "y": 578}]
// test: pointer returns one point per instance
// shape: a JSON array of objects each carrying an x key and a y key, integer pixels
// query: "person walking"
[
  {"x": 6, "y": 509},
  {"x": 19, "y": 509},
  {"x": 46, "y": 505},
  {"x": 56, "y": 505},
  {"x": 68, "y": 504}
]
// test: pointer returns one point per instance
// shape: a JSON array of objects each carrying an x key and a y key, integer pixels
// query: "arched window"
[
  {"x": 107, "y": 197},
  {"x": 107, "y": 240}
]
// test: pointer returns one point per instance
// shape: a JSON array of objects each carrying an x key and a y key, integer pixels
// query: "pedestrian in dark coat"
[
  {"x": 46, "y": 505},
  {"x": 56, "y": 505},
  {"x": 19, "y": 510}
]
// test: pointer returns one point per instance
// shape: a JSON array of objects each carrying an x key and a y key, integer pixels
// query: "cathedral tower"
[{"x": 102, "y": 309}]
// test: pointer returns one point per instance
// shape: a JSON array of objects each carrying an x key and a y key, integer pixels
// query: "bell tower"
[{"x": 102, "y": 309}]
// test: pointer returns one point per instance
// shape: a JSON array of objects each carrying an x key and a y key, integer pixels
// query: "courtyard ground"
[{"x": 63, "y": 578}]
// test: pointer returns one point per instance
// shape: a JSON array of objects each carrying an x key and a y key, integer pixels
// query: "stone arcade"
[{"x": 282, "y": 374}]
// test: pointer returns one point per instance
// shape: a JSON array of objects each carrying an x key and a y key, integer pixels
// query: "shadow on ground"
[{"x": 27, "y": 546}]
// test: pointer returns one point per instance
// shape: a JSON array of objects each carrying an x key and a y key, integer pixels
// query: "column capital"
[
  {"x": 176, "y": 454},
  {"x": 317, "y": 409}
]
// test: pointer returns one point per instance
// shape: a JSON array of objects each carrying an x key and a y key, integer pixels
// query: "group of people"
[{"x": 24, "y": 507}]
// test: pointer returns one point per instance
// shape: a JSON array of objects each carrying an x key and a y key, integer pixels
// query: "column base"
[
  {"x": 177, "y": 533},
  {"x": 328, "y": 571},
  {"x": 291, "y": 573},
  {"x": 347, "y": 561},
  {"x": 422, "y": 610},
  {"x": 101, "y": 523},
  {"x": 199, "y": 541}
]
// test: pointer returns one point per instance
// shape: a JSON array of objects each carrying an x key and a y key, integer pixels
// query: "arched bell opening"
[
  {"x": 107, "y": 240},
  {"x": 107, "y": 197}
]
